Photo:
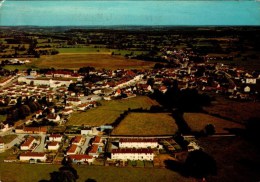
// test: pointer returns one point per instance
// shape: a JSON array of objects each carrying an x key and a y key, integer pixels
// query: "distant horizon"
[{"x": 129, "y": 13}]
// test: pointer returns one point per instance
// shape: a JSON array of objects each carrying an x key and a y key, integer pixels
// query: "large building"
[
  {"x": 28, "y": 143},
  {"x": 132, "y": 154},
  {"x": 27, "y": 156},
  {"x": 138, "y": 143}
]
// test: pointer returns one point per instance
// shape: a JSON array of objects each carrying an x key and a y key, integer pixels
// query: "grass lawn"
[
  {"x": 96, "y": 59},
  {"x": 8, "y": 138},
  {"x": 2, "y": 118},
  {"x": 198, "y": 121},
  {"x": 146, "y": 124},
  {"x": 11, "y": 172},
  {"x": 109, "y": 111}
]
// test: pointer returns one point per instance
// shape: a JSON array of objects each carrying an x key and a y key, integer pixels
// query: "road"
[
  {"x": 85, "y": 145},
  {"x": 19, "y": 139},
  {"x": 40, "y": 147}
]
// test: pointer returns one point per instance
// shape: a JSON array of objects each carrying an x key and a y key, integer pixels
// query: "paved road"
[
  {"x": 85, "y": 145},
  {"x": 19, "y": 139},
  {"x": 40, "y": 147}
]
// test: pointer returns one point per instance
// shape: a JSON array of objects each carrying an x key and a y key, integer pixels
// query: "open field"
[
  {"x": 198, "y": 121},
  {"x": 78, "y": 60},
  {"x": 32, "y": 172},
  {"x": 109, "y": 111},
  {"x": 237, "y": 159},
  {"x": 2, "y": 118},
  {"x": 237, "y": 111},
  {"x": 146, "y": 124}
]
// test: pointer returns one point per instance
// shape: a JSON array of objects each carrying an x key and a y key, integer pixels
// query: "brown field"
[
  {"x": 146, "y": 124},
  {"x": 97, "y": 60},
  {"x": 109, "y": 111},
  {"x": 236, "y": 111},
  {"x": 198, "y": 121}
]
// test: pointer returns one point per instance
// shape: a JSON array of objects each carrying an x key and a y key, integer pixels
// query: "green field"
[
  {"x": 146, "y": 124},
  {"x": 198, "y": 121},
  {"x": 36, "y": 172},
  {"x": 2, "y": 118},
  {"x": 109, "y": 111}
]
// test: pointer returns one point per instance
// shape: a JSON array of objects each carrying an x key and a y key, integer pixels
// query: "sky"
[{"x": 129, "y": 12}]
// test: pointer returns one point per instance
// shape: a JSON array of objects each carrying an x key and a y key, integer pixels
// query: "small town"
[{"x": 175, "y": 115}]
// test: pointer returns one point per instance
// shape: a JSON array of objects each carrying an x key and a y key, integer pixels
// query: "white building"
[
  {"x": 81, "y": 158},
  {"x": 2, "y": 145},
  {"x": 28, "y": 143},
  {"x": 132, "y": 154},
  {"x": 26, "y": 156},
  {"x": 138, "y": 143},
  {"x": 55, "y": 137},
  {"x": 53, "y": 146}
]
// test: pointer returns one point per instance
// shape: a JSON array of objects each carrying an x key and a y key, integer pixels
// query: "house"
[
  {"x": 28, "y": 143},
  {"x": 138, "y": 143},
  {"x": 32, "y": 130},
  {"x": 67, "y": 111},
  {"x": 132, "y": 154},
  {"x": 27, "y": 156},
  {"x": 53, "y": 117},
  {"x": 94, "y": 151},
  {"x": 73, "y": 149},
  {"x": 97, "y": 140},
  {"x": 81, "y": 158},
  {"x": 82, "y": 107},
  {"x": 2, "y": 145},
  {"x": 38, "y": 113},
  {"x": 77, "y": 140},
  {"x": 55, "y": 137},
  {"x": 53, "y": 146},
  {"x": 74, "y": 101}
]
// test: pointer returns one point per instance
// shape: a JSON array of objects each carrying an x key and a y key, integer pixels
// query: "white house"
[
  {"x": 94, "y": 151},
  {"x": 53, "y": 146},
  {"x": 132, "y": 154},
  {"x": 138, "y": 143},
  {"x": 55, "y": 137},
  {"x": 74, "y": 101},
  {"x": 77, "y": 140},
  {"x": 53, "y": 117},
  {"x": 28, "y": 143},
  {"x": 26, "y": 156},
  {"x": 2, "y": 145},
  {"x": 74, "y": 149},
  {"x": 67, "y": 111},
  {"x": 81, "y": 158}
]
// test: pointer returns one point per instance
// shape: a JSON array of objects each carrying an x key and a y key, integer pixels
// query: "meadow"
[
  {"x": 198, "y": 121},
  {"x": 146, "y": 124},
  {"x": 109, "y": 111}
]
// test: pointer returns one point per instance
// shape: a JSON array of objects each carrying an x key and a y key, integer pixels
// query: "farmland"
[
  {"x": 109, "y": 111},
  {"x": 97, "y": 60},
  {"x": 198, "y": 121},
  {"x": 146, "y": 124},
  {"x": 237, "y": 111}
]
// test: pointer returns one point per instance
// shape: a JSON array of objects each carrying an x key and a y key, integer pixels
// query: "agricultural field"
[
  {"x": 146, "y": 124},
  {"x": 235, "y": 111},
  {"x": 97, "y": 60},
  {"x": 198, "y": 121},
  {"x": 109, "y": 111}
]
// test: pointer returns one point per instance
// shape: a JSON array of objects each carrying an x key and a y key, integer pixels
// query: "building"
[
  {"x": 97, "y": 140},
  {"x": 74, "y": 149},
  {"x": 53, "y": 146},
  {"x": 138, "y": 143},
  {"x": 32, "y": 130},
  {"x": 28, "y": 143},
  {"x": 94, "y": 151},
  {"x": 55, "y": 137},
  {"x": 81, "y": 158},
  {"x": 77, "y": 140},
  {"x": 2, "y": 145},
  {"x": 132, "y": 154},
  {"x": 27, "y": 156}
]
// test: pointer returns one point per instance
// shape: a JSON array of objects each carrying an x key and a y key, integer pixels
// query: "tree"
[
  {"x": 210, "y": 129},
  {"x": 200, "y": 164}
]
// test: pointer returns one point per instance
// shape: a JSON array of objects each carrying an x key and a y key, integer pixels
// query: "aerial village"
[{"x": 93, "y": 145}]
